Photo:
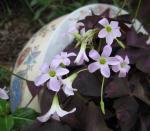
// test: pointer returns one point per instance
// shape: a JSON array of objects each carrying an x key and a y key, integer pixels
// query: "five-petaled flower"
[
  {"x": 110, "y": 31},
  {"x": 102, "y": 61},
  {"x": 53, "y": 74},
  {"x": 123, "y": 66},
  {"x": 67, "y": 84},
  {"x": 55, "y": 111},
  {"x": 3, "y": 94},
  {"x": 62, "y": 58},
  {"x": 81, "y": 57}
]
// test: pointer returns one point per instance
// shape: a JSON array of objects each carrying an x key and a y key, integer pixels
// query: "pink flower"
[
  {"x": 3, "y": 94},
  {"x": 52, "y": 74},
  {"x": 81, "y": 57},
  {"x": 110, "y": 31},
  {"x": 102, "y": 61},
  {"x": 55, "y": 111},
  {"x": 123, "y": 66},
  {"x": 62, "y": 58}
]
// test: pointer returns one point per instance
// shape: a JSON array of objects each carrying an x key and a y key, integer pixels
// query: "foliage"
[
  {"x": 46, "y": 10},
  {"x": 17, "y": 120}
]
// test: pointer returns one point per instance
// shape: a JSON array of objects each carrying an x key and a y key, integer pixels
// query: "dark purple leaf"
[
  {"x": 126, "y": 112},
  {"x": 145, "y": 123},
  {"x": 124, "y": 18},
  {"x": 94, "y": 119},
  {"x": 117, "y": 88},
  {"x": 136, "y": 40},
  {"x": 48, "y": 126},
  {"x": 143, "y": 63},
  {"x": 139, "y": 89},
  {"x": 46, "y": 100},
  {"x": 87, "y": 84},
  {"x": 91, "y": 22},
  {"x": 34, "y": 90}
]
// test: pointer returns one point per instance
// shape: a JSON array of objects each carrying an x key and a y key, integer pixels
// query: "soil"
[{"x": 14, "y": 34}]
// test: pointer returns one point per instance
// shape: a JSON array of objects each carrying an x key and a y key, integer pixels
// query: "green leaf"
[
  {"x": 24, "y": 116},
  {"x": 33, "y": 3},
  {"x": 4, "y": 107},
  {"x": 6, "y": 123},
  {"x": 39, "y": 12}
]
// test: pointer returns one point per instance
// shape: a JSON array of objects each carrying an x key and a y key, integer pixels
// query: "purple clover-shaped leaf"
[
  {"x": 126, "y": 112},
  {"x": 117, "y": 88}
]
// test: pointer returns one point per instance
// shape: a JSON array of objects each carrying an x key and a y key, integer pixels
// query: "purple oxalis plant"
[{"x": 105, "y": 77}]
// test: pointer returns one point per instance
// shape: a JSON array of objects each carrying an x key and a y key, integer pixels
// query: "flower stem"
[
  {"x": 85, "y": 69},
  {"x": 10, "y": 72},
  {"x": 137, "y": 10},
  {"x": 120, "y": 43},
  {"x": 102, "y": 102}
]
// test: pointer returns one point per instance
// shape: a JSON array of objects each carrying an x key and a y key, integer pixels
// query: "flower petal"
[
  {"x": 44, "y": 68},
  {"x": 119, "y": 58},
  {"x": 114, "y": 24},
  {"x": 63, "y": 54},
  {"x": 105, "y": 71},
  {"x": 71, "y": 54},
  {"x": 66, "y": 61},
  {"x": 94, "y": 55},
  {"x": 112, "y": 61},
  {"x": 122, "y": 74},
  {"x": 55, "y": 117},
  {"x": 41, "y": 79},
  {"x": 69, "y": 91},
  {"x": 116, "y": 33},
  {"x": 109, "y": 39},
  {"x": 127, "y": 68},
  {"x": 3, "y": 94},
  {"x": 62, "y": 113},
  {"x": 46, "y": 116},
  {"x": 61, "y": 71},
  {"x": 115, "y": 68},
  {"x": 85, "y": 57},
  {"x": 104, "y": 22},
  {"x": 127, "y": 59},
  {"x": 103, "y": 33},
  {"x": 93, "y": 67},
  {"x": 54, "y": 84},
  {"x": 107, "y": 51},
  {"x": 55, "y": 63}
]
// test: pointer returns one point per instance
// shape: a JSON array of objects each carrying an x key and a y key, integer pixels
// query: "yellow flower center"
[
  {"x": 108, "y": 28},
  {"x": 123, "y": 65},
  {"x": 52, "y": 73},
  {"x": 102, "y": 61}
]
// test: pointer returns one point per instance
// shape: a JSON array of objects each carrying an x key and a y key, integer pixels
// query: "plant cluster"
[{"x": 106, "y": 67}]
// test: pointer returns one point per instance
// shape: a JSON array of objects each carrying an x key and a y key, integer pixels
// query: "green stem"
[
  {"x": 10, "y": 72},
  {"x": 102, "y": 102},
  {"x": 85, "y": 69},
  {"x": 137, "y": 10},
  {"x": 120, "y": 43}
]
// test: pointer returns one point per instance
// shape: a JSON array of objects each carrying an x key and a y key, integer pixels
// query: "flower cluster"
[{"x": 55, "y": 74}]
